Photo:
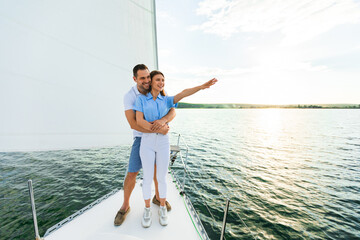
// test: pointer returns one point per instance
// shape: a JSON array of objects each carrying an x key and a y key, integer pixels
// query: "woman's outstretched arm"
[{"x": 190, "y": 91}]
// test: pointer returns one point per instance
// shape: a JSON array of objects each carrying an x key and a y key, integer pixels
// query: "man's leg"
[
  {"x": 129, "y": 185},
  {"x": 130, "y": 180}
]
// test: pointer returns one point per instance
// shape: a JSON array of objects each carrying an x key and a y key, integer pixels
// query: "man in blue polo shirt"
[{"x": 142, "y": 80}]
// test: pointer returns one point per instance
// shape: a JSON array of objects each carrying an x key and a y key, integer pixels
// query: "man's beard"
[{"x": 142, "y": 88}]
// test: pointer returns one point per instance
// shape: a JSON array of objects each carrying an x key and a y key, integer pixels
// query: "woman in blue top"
[{"x": 155, "y": 147}]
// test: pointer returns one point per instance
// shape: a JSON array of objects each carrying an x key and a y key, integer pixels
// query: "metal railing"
[
  {"x": 32, "y": 201},
  {"x": 224, "y": 219},
  {"x": 184, "y": 161},
  {"x": 176, "y": 152}
]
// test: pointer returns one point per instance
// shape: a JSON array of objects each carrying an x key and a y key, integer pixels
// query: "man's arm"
[
  {"x": 158, "y": 124},
  {"x": 131, "y": 118},
  {"x": 141, "y": 122}
]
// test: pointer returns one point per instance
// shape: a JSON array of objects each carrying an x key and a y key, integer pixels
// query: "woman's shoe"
[
  {"x": 146, "y": 220},
  {"x": 163, "y": 216}
]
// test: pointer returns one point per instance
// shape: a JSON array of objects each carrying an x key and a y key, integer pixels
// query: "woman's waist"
[{"x": 154, "y": 134}]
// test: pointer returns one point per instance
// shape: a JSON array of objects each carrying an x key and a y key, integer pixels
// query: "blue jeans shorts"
[{"x": 135, "y": 160}]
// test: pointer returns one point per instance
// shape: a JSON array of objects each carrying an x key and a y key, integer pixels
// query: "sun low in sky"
[{"x": 262, "y": 52}]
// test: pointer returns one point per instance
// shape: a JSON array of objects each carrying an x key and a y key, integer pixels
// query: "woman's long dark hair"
[{"x": 152, "y": 74}]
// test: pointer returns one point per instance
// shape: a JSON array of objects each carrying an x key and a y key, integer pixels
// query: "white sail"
[{"x": 64, "y": 68}]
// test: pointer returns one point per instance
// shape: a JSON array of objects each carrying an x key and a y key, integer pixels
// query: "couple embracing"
[{"x": 148, "y": 110}]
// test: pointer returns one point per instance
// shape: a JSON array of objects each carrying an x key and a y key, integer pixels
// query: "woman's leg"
[
  {"x": 162, "y": 163},
  {"x": 147, "y": 156}
]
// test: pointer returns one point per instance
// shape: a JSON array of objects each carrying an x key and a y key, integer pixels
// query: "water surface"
[{"x": 289, "y": 173}]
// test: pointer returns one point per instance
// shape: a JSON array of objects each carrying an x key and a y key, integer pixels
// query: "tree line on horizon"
[{"x": 240, "y": 106}]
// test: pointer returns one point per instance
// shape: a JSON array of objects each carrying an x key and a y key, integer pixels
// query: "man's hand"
[
  {"x": 164, "y": 130},
  {"x": 157, "y": 124}
]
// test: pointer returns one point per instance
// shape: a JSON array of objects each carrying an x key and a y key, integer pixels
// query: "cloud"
[
  {"x": 200, "y": 72},
  {"x": 297, "y": 20},
  {"x": 165, "y": 17},
  {"x": 165, "y": 52}
]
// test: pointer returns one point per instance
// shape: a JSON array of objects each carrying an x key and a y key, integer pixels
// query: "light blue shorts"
[{"x": 135, "y": 160}]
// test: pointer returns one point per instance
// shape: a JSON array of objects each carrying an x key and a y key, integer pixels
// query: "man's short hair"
[{"x": 139, "y": 67}]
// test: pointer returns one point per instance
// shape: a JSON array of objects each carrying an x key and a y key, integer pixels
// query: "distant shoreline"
[{"x": 252, "y": 106}]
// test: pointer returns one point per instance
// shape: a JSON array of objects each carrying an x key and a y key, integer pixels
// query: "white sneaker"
[
  {"x": 163, "y": 216},
  {"x": 146, "y": 220}
]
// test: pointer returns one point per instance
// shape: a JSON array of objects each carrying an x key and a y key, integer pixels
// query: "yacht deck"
[{"x": 97, "y": 222}]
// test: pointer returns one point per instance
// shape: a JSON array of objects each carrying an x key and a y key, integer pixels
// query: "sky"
[{"x": 262, "y": 52}]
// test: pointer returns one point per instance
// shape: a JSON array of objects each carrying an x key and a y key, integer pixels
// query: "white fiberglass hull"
[{"x": 97, "y": 222}]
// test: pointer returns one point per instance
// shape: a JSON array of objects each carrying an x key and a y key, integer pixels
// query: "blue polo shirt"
[{"x": 153, "y": 110}]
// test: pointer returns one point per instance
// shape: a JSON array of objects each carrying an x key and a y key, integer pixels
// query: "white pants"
[{"x": 154, "y": 148}]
